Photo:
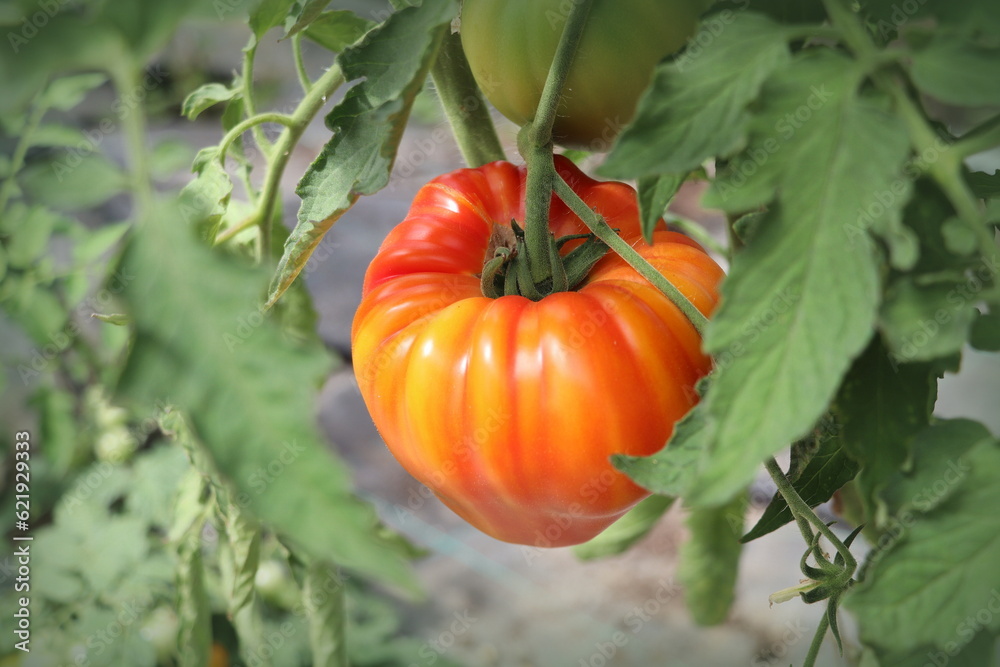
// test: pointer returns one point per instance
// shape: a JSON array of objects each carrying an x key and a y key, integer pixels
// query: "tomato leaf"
[
  {"x": 938, "y": 572},
  {"x": 710, "y": 560},
  {"x": 367, "y": 126},
  {"x": 828, "y": 470},
  {"x": 323, "y": 593},
  {"x": 880, "y": 407},
  {"x": 671, "y": 470},
  {"x": 194, "y": 638},
  {"x": 655, "y": 195},
  {"x": 926, "y": 320},
  {"x": 248, "y": 427},
  {"x": 337, "y": 29},
  {"x": 697, "y": 106},
  {"x": 628, "y": 530},
  {"x": 978, "y": 652},
  {"x": 986, "y": 332},
  {"x": 954, "y": 70},
  {"x": 205, "y": 97},
  {"x": 784, "y": 350}
]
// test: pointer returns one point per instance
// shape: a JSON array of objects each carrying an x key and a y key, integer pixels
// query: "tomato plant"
[
  {"x": 530, "y": 398},
  {"x": 162, "y": 357},
  {"x": 510, "y": 45}
]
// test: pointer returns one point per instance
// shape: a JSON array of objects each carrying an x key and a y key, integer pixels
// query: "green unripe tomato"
[{"x": 510, "y": 45}]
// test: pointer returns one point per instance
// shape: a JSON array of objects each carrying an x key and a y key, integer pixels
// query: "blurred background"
[{"x": 487, "y": 603}]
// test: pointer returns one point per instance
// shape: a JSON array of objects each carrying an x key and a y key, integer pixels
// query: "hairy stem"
[
  {"x": 299, "y": 120},
  {"x": 300, "y": 64},
  {"x": 817, "y": 642},
  {"x": 248, "y": 124},
  {"x": 800, "y": 508},
  {"x": 603, "y": 231},
  {"x": 126, "y": 78},
  {"x": 464, "y": 105},
  {"x": 249, "y": 106},
  {"x": 536, "y": 144}
]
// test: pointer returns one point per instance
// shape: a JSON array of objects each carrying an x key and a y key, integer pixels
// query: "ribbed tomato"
[{"x": 507, "y": 408}]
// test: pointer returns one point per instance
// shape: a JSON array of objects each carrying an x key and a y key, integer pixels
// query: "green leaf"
[
  {"x": 367, "y": 126},
  {"x": 205, "y": 97},
  {"x": 938, "y": 576},
  {"x": 710, "y": 560},
  {"x": 68, "y": 91},
  {"x": 204, "y": 200},
  {"x": 195, "y": 634},
  {"x": 626, "y": 531},
  {"x": 697, "y": 105},
  {"x": 986, "y": 332},
  {"x": 61, "y": 136},
  {"x": 980, "y": 651},
  {"x": 303, "y": 13},
  {"x": 243, "y": 533},
  {"x": 880, "y": 407},
  {"x": 958, "y": 72},
  {"x": 924, "y": 321},
  {"x": 655, "y": 195},
  {"x": 800, "y": 300},
  {"x": 268, "y": 14},
  {"x": 934, "y": 472},
  {"x": 970, "y": 17},
  {"x": 984, "y": 186},
  {"x": 672, "y": 470},
  {"x": 828, "y": 470},
  {"x": 337, "y": 29},
  {"x": 324, "y": 605},
  {"x": 74, "y": 181},
  {"x": 30, "y": 230},
  {"x": 273, "y": 453}
]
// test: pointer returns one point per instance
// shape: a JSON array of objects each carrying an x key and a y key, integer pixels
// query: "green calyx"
[{"x": 508, "y": 267}]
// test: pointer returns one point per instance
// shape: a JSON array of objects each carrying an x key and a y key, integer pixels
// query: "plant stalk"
[
  {"x": 536, "y": 144},
  {"x": 800, "y": 508},
  {"x": 299, "y": 121},
  {"x": 603, "y": 231},
  {"x": 464, "y": 105}
]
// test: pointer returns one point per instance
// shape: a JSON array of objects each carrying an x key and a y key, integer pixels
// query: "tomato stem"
[
  {"x": 800, "y": 508},
  {"x": 464, "y": 105},
  {"x": 535, "y": 144},
  {"x": 817, "y": 642},
  {"x": 603, "y": 231},
  {"x": 300, "y": 119}
]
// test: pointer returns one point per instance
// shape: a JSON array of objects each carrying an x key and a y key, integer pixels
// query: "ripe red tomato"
[{"x": 508, "y": 409}]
